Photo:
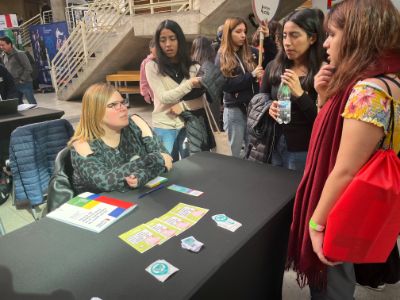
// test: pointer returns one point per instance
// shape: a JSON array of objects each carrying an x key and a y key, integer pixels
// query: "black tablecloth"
[{"x": 49, "y": 259}]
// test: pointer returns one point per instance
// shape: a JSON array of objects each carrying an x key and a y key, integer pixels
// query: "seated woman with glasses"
[{"x": 110, "y": 150}]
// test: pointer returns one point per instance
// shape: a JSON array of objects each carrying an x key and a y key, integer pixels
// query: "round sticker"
[
  {"x": 159, "y": 269},
  {"x": 221, "y": 218}
]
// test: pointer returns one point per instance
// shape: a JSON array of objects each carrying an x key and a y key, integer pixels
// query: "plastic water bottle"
[{"x": 284, "y": 104}]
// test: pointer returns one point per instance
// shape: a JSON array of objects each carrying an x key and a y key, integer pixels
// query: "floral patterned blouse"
[
  {"x": 106, "y": 168},
  {"x": 368, "y": 102}
]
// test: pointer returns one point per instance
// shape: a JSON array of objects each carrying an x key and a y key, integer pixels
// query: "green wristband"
[{"x": 315, "y": 226}]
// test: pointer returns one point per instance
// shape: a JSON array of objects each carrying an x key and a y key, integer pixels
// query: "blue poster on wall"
[{"x": 46, "y": 40}]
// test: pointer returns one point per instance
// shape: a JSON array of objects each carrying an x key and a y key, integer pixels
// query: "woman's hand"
[
  {"x": 321, "y": 81},
  {"x": 274, "y": 110},
  {"x": 167, "y": 161},
  {"x": 264, "y": 28},
  {"x": 177, "y": 109},
  {"x": 132, "y": 181},
  {"x": 292, "y": 80},
  {"x": 317, "y": 239},
  {"x": 258, "y": 72},
  {"x": 195, "y": 82}
]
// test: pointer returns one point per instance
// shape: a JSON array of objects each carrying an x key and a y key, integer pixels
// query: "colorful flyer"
[
  {"x": 179, "y": 222},
  {"x": 156, "y": 181},
  {"x": 163, "y": 228},
  {"x": 190, "y": 212},
  {"x": 142, "y": 238},
  {"x": 184, "y": 190}
]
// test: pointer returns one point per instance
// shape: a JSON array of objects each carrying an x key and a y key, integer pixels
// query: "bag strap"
[
  {"x": 210, "y": 116},
  {"x": 391, "y": 121}
]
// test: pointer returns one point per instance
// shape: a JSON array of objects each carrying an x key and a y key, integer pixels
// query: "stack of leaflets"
[{"x": 92, "y": 212}]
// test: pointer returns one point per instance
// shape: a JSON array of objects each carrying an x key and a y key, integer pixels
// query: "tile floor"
[{"x": 13, "y": 219}]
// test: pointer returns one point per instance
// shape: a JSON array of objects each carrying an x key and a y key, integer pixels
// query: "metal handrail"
[
  {"x": 102, "y": 18},
  {"x": 47, "y": 17}
]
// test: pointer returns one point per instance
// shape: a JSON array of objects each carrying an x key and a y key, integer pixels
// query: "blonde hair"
[
  {"x": 228, "y": 61},
  {"x": 94, "y": 103}
]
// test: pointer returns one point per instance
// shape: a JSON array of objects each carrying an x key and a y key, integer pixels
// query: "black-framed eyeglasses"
[{"x": 119, "y": 105}]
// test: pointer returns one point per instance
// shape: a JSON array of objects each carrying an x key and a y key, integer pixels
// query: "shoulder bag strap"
[
  {"x": 210, "y": 116},
  {"x": 391, "y": 121}
]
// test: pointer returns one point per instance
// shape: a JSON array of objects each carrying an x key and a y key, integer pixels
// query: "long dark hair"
[
  {"x": 310, "y": 21},
  {"x": 183, "y": 58},
  {"x": 202, "y": 50}
]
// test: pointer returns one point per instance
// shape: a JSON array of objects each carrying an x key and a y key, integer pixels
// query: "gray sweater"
[{"x": 17, "y": 63}]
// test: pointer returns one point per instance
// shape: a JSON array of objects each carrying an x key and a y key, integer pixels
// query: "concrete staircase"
[{"x": 125, "y": 46}]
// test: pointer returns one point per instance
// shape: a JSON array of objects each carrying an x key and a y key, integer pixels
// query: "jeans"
[
  {"x": 290, "y": 160},
  {"x": 26, "y": 89},
  {"x": 341, "y": 284},
  {"x": 235, "y": 122},
  {"x": 174, "y": 141}
]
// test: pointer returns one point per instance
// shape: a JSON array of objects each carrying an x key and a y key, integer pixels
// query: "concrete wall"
[{"x": 25, "y": 9}]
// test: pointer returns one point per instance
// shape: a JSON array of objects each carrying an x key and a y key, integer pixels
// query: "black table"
[
  {"x": 10, "y": 122},
  {"x": 52, "y": 260}
]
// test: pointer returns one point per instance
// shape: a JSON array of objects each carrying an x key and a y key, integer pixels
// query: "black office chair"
[{"x": 60, "y": 188}]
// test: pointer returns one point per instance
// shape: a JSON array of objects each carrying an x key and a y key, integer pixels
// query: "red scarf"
[{"x": 321, "y": 158}]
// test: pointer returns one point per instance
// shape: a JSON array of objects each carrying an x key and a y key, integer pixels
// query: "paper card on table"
[
  {"x": 184, "y": 190},
  {"x": 156, "y": 181},
  {"x": 163, "y": 228},
  {"x": 190, "y": 212},
  {"x": 142, "y": 238},
  {"x": 225, "y": 222},
  {"x": 179, "y": 222},
  {"x": 161, "y": 269},
  {"x": 190, "y": 243},
  {"x": 85, "y": 195}
]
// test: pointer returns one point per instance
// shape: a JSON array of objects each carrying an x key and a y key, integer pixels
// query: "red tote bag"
[{"x": 364, "y": 224}]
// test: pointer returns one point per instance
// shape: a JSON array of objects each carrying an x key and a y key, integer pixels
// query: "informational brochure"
[
  {"x": 177, "y": 221},
  {"x": 92, "y": 212},
  {"x": 190, "y": 212},
  {"x": 142, "y": 238},
  {"x": 163, "y": 228}
]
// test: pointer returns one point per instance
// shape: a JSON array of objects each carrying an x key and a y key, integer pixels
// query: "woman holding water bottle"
[{"x": 289, "y": 80}]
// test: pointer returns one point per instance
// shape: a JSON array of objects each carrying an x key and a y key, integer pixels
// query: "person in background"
[
  {"x": 299, "y": 59},
  {"x": 173, "y": 79},
  {"x": 363, "y": 44},
  {"x": 17, "y": 63},
  {"x": 7, "y": 86},
  {"x": 217, "y": 42},
  {"x": 145, "y": 89},
  {"x": 111, "y": 150},
  {"x": 235, "y": 60},
  {"x": 272, "y": 38}
]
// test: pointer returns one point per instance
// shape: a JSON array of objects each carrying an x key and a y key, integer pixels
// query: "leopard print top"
[{"x": 106, "y": 168}]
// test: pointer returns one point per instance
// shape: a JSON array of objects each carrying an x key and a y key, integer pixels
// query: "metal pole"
[{"x": 84, "y": 41}]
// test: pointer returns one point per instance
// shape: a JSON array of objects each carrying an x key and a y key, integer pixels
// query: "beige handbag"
[{"x": 220, "y": 137}]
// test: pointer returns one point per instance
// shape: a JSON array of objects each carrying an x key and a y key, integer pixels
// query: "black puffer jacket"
[
  {"x": 198, "y": 131},
  {"x": 260, "y": 128},
  {"x": 239, "y": 89}
]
